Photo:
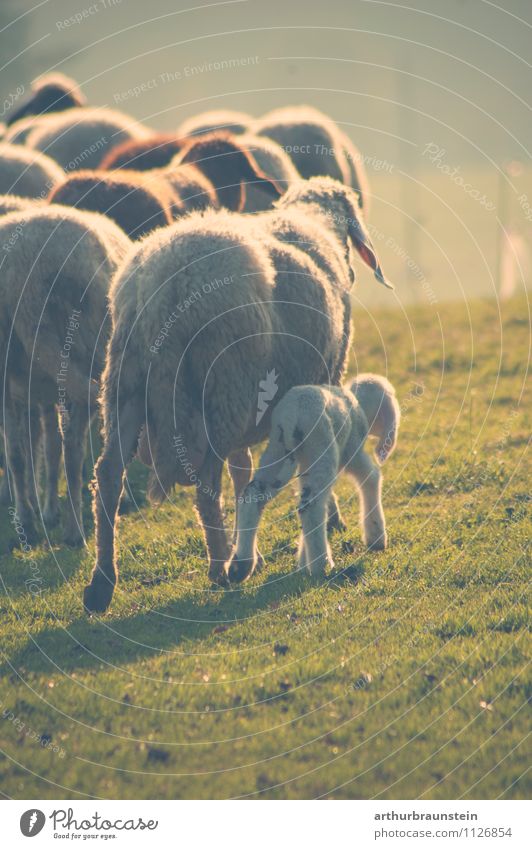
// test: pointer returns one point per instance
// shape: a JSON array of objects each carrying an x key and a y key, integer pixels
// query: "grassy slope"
[{"x": 403, "y": 676}]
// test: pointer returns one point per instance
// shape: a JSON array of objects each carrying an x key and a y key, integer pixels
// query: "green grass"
[{"x": 403, "y": 676}]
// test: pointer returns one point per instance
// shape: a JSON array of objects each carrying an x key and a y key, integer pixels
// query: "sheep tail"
[{"x": 378, "y": 400}]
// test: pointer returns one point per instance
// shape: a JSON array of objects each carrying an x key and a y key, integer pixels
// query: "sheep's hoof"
[
  {"x": 336, "y": 523},
  {"x": 218, "y": 575},
  {"x": 240, "y": 570},
  {"x": 98, "y": 594}
]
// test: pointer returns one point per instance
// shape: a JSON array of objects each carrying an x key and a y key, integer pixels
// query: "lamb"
[
  {"x": 203, "y": 313},
  {"x": 320, "y": 431},
  {"x": 136, "y": 202},
  {"x": 81, "y": 138},
  {"x": 27, "y": 173},
  {"x": 218, "y": 119},
  {"x": 54, "y": 283},
  {"x": 50, "y": 93},
  {"x": 316, "y": 146}
]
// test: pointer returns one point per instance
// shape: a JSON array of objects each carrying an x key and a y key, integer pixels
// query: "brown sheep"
[{"x": 137, "y": 202}]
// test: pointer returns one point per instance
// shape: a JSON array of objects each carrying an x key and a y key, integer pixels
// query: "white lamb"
[{"x": 321, "y": 430}]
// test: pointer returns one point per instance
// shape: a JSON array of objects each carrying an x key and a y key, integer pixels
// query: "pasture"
[{"x": 402, "y": 676}]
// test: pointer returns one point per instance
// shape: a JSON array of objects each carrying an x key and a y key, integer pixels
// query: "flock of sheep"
[{"x": 135, "y": 284}]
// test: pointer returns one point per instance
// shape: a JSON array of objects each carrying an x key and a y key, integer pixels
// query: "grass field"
[{"x": 403, "y": 676}]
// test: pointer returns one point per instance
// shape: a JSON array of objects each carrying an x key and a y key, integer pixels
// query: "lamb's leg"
[
  {"x": 316, "y": 488},
  {"x": 74, "y": 439},
  {"x": 369, "y": 481},
  {"x": 314, "y": 552},
  {"x": 119, "y": 447},
  {"x": 240, "y": 465},
  {"x": 275, "y": 470},
  {"x": 209, "y": 506},
  {"x": 334, "y": 517},
  {"x": 16, "y": 462},
  {"x": 52, "y": 457}
]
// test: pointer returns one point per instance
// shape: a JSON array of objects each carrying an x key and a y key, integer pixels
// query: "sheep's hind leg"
[
  {"x": 52, "y": 457},
  {"x": 209, "y": 506},
  {"x": 369, "y": 481},
  {"x": 334, "y": 517},
  {"x": 119, "y": 447},
  {"x": 74, "y": 439},
  {"x": 274, "y": 472},
  {"x": 16, "y": 463}
]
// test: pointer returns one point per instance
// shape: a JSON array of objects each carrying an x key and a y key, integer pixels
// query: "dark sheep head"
[
  {"x": 52, "y": 93},
  {"x": 229, "y": 167}
]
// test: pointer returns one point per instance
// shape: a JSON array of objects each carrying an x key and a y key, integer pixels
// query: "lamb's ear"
[{"x": 360, "y": 237}]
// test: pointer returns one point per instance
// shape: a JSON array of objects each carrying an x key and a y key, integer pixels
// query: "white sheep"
[
  {"x": 320, "y": 431},
  {"x": 205, "y": 312},
  {"x": 217, "y": 119},
  {"x": 56, "y": 265},
  {"x": 316, "y": 146},
  {"x": 27, "y": 173},
  {"x": 81, "y": 138}
]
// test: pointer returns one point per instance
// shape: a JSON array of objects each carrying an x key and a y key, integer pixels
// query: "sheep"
[
  {"x": 27, "y": 173},
  {"x": 230, "y": 167},
  {"x": 320, "y": 431},
  {"x": 136, "y": 202},
  {"x": 54, "y": 283},
  {"x": 50, "y": 93},
  {"x": 224, "y": 161},
  {"x": 156, "y": 151},
  {"x": 203, "y": 313},
  {"x": 81, "y": 138},
  {"x": 219, "y": 119},
  {"x": 316, "y": 146}
]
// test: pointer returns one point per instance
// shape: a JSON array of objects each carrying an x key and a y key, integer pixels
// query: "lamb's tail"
[{"x": 377, "y": 398}]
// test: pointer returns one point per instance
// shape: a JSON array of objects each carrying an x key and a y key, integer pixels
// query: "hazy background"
[{"x": 397, "y": 77}]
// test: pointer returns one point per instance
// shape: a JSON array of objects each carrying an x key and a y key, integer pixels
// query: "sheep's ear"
[
  {"x": 362, "y": 242},
  {"x": 228, "y": 166},
  {"x": 252, "y": 174},
  {"x": 50, "y": 98}
]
